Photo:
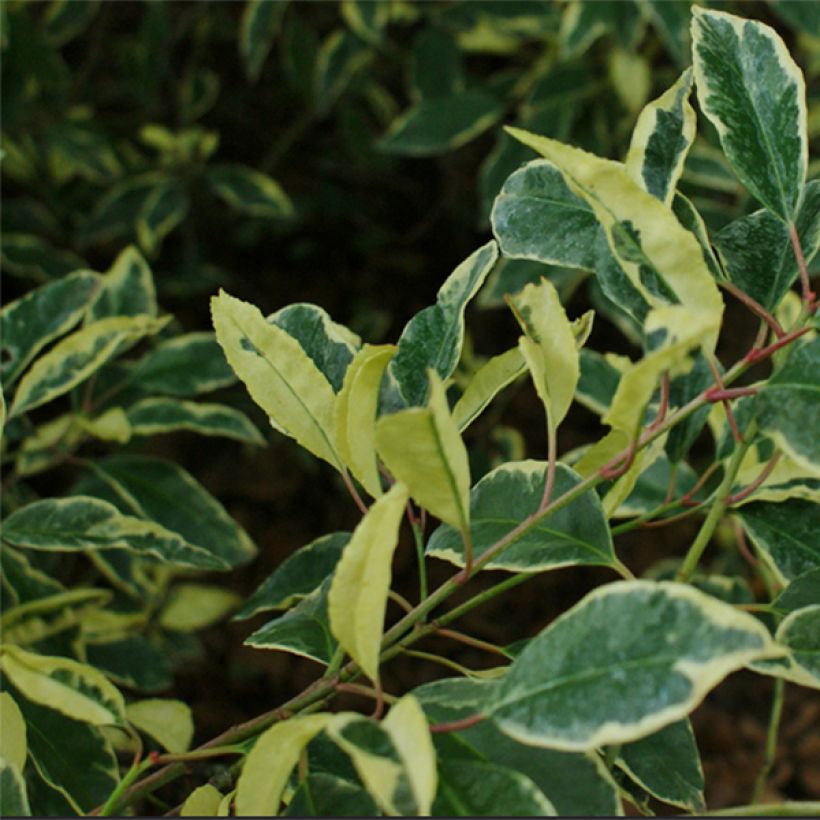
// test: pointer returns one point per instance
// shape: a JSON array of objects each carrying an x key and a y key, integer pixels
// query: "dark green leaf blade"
[{"x": 325, "y": 795}]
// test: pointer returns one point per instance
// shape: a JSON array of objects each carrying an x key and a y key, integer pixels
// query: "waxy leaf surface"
[{"x": 627, "y": 660}]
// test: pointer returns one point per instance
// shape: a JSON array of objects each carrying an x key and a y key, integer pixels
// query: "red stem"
[
  {"x": 809, "y": 296},
  {"x": 754, "y": 306},
  {"x": 756, "y": 354},
  {"x": 457, "y": 725},
  {"x": 764, "y": 474}
]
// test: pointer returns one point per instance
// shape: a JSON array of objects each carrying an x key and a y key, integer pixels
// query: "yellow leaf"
[
  {"x": 357, "y": 599},
  {"x": 202, "y": 802},
  {"x": 422, "y": 448},
  {"x": 630, "y": 75},
  {"x": 194, "y": 606},
  {"x": 280, "y": 377},
  {"x": 13, "y": 746},
  {"x": 110, "y": 426},
  {"x": 269, "y": 764},
  {"x": 356, "y": 408},
  {"x": 168, "y": 721}
]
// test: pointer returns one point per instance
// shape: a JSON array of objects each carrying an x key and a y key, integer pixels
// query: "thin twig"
[
  {"x": 764, "y": 474},
  {"x": 809, "y": 296},
  {"x": 721, "y": 388},
  {"x": 754, "y": 306}
]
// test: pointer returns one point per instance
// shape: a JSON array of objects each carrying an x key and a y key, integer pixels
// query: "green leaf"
[
  {"x": 805, "y": 17},
  {"x": 433, "y": 338},
  {"x": 485, "y": 384},
  {"x": 21, "y": 581},
  {"x": 356, "y": 411},
  {"x": 303, "y": 630},
  {"x": 75, "y": 689},
  {"x": 803, "y": 591},
  {"x": 258, "y": 28},
  {"x": 269, "y": 764},
  {"x": 297, "y": 576},
  {"x": 504, "y": 498},
  {"x": 627, "y": 660},
  {"x": 799, "y": 633},
  {"x": 87, "y": 523},
  {"x": 203, "y": 801},
  {"x": 435, "y": 468},
  {"x": 671, "y": 20},
  {"x": 13, "y": 794},
  {"x": 115, "y": 214},
  {"x": 787, "y": 407},
  {"x": 436, "y": 68},
  {"x": 72, "y": 360},
  {"x": 326, "y": 795},
  {"x": 81, "y": 766},
  {"x": 191, "y": 607},
  {"x": 474, "y": 789},
  {"x": 29, "y": 324},
  {"x": 667, "y": 764},
  {"x": 597, "y": 381},
  {"x": 664, "y": 261},
  {"x": 168, "y": 721},
  {"x": 631, "y": 77},
  {"x": 754, "y": 94},
  {"x": 662, "y": 137},
  {"x": 185, "y": 365},
  {"x": 151, "y": 416},
  {"x": 280, "y": 377},
  {"x": 340, "y": 57},
  {"x": 357, "y": 599},
  {"x": 331, "y": 346},
  {"x": 440, "y": 124},
  {"x": 249, "y": 191},
  {"x": 35, "y": 258},
  {"x": 164, "y": 209},
  {"x": 13, "y": 747},
  {"x": 577, "y": 784},
  {"x": 757, "y": 252},
  {"x": 134, "y": 662},
  {"x": 166, "y": 493},
  {"x": 548, "y": 347},
  {"x": 64, "y": 20},
  {"x": 651, "y": 488},
  {"x": 689, "y": 217},
  {"x": 785, "y": 534},
  {"x": 366, "y": 19}
]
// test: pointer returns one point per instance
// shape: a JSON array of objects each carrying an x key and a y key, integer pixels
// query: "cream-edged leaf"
[
  {"x": 355, "y": 414},
  {"x": 435, "y": 468},
  {"x": 270, "y": 762},
  {"x": 799, "y": 634},
  {"x": 13, "y": 793},
  {"x": 127, "y": 289},
  {"x": 168, "y": 721},
  {"x": 203, "y": 801},
  {"x": 13, "y": 747},
  {"x": 357, "y": 600},
  {"x": 280, "y": 377}
]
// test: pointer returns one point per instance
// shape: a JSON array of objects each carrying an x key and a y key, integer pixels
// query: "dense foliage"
[{"x": 172, "y": 145}]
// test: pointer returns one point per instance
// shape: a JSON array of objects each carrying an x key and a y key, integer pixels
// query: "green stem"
[
  {"x": 418, "y": 537},
  {"x": 108, "y": 808},
  {"x": 791, "y": 809},
  {"x": 771, "y": 740},
  {"x": 442, "y": 661},
  {"x": 721, "y": 502},
  {"x": 335, "y": 664}
]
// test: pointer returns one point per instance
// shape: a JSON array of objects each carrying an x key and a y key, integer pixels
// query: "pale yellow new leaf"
[
  {"x": 280, "y": 377},
  {"x": 193, "y": 606},
  {"x": 357, "y": 598},
  {"x": 13, "y": 747},
  {"x": 356, "y": 409},
  {"x": 168, "y": 721},
  {"x": 269, "y": 764},
  {"x": 422, "y": 448},
  {"x": 202, "y": 802}
]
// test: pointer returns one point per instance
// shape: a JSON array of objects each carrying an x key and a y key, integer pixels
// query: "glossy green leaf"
[
  {"x": 81, "y": 767},
  {"x": 183, "y": 366},
  {"x": 664, "y": 262},
  {"x": 325, "y": 795},
  {"x": 511, "y": 275},
  {"x": 279, "y": 375},
  {"x": 799, "y": 634},
  {"x": 356, "y": 411},
  {"x": 474, "y": 789},
  {"x": 754, "y": 93},
  {"x": 75, "y": 689},
  {"x": 435, "y": 469},
  {"x": 13, "y": 747},
  {"x": 35, "y": 258},
  {"x": 166, "y": 493},
  {"x": 683, "y": 389},
  {"x": 787, "y": 407},
  {"x": 597, "y": 381},
  {"x": 151, "y": 416},
  {"x": 627, "y": 660},
  {"x": 191, "y": 606},
  {"x": 86, "y": 523},
  {"x": 485, "y": 384},
  {"x": 357, "y": 599},
  {"x": 652, "y": 487},
  {"x": 439, "y": 124},
  {"x": 433, "y": 338},
  {"x": 803, "y": 591},
  {"x": 73, "y": 359},
  {"x": 504, "y": 498},
  {"x": 297, "y": 576},
  {"x": 757, "y": 252},
  {"x": 13, "y": 794},
  {"x": 667, "y": 764},
  {"x": 785, "y": 534},
  {"x": 249, "y": 191},
  {"x": 269, "y": 764},
  {"x": 30, "y": 323},
  {"x": 303, "y": 630},
  {"x": 661, "y": 139},
  {"x": 331, "y": 346},
  {"x": 690, "y": 218},
  {"x": 203, "y": 801},
  {"x": 548, "y": 347},
  {"x": 165, "y": 208},
  {"x": 577, "y": 784},
  {"x": 258, "y": 28},
  {"x": 169, "y": 722}
]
